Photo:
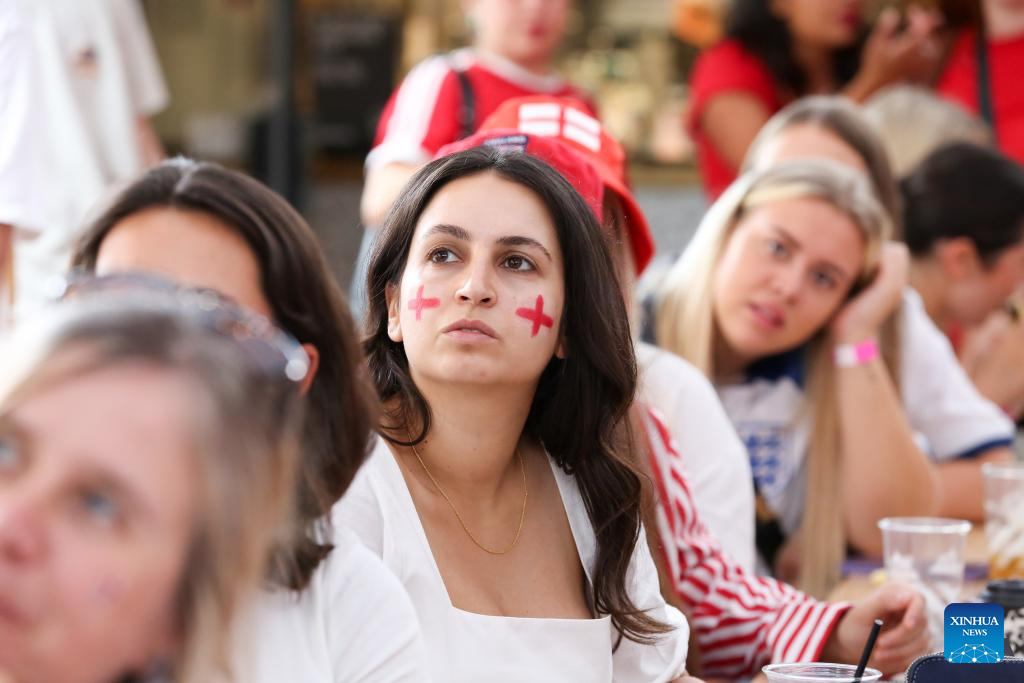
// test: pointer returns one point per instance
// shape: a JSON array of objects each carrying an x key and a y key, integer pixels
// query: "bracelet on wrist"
[{"x": 852, "y": 355}]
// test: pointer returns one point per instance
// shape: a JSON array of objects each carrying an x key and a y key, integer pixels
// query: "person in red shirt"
[
  {"x": 445, "y": 97},
  {"x": 987, "y": 82},
  {"x": 775, "y": 52}
]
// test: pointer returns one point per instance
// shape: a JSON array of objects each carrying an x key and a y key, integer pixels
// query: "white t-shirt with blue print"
[{"x": 949, "y": 417}]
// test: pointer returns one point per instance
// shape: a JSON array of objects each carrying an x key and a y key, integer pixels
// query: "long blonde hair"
[
  {"x": 245, "y": 430},
  {"x": 685, "y": 325}
]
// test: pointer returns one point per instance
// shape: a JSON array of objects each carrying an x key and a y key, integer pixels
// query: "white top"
[
  {"x": 464, "y": 646},
  {"x": 21, "y": 152},
  {"x": 949, "y": 417},
  {"x": 97, "y": 74},
  {"x": 712, "y": 453},
  {"x": 353, "y": 623}
]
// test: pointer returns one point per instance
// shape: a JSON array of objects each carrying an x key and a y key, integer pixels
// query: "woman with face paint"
[
  {"x": 959, "y": 429},
  {"x": 502, "y": 493},
  {"x": 209, "y": 227},
  {"x": 147, "y": 459},
  {"x": 687, "y": 449}
]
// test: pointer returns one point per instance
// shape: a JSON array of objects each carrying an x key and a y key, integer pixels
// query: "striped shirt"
[{"x": 741, "y": 621}]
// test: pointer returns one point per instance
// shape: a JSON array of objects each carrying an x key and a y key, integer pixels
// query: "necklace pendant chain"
[{"x": 478, "y": 544}]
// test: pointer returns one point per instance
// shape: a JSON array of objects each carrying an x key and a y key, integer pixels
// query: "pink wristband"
[{"x": 851, "y": 355}]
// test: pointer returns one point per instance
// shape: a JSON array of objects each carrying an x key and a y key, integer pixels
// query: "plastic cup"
[
  {"x": 814, "y": 672},
  {"x": 1004, "y": 519},
  {"x": 928, "y": 553}
]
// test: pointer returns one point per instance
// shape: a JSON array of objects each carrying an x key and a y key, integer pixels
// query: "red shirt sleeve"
[
  {"x": 740, "y": 621},
  {"x": 725, "y": 68},
  {"x": 421, "y": 116}
]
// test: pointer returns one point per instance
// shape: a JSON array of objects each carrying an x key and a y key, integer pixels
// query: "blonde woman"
[
  {"x": 957, "y": 427},
  {"x": 788, "y": 278},
  {"x": 147, "y": 457}
]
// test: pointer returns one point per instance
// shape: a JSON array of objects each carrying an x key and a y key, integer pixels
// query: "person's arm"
[
  {"x": 962, "y": 487},
  {"x": 883, "y": 472},
  {"x": 731, "y": 121},
  {"x": 149, "y": 144},
  {"x": 381, "y": 190},
  {"x": 742, "y": 621},
  {"x": 992, "y": 355}
]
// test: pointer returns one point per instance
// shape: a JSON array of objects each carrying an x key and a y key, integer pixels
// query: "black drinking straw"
[{"x": 868, "y": 647}]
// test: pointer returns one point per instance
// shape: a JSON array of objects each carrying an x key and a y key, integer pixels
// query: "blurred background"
[{"x": 291, "y": 90}]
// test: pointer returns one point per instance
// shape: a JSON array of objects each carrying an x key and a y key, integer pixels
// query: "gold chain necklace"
[{"x": 522, "y": 515}]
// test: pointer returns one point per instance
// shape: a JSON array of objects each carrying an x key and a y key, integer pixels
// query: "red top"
[
  {"x": 725, "y": 68},
  {"x": 423, "y": 114},
  {"x": 1006, "y": 64}
]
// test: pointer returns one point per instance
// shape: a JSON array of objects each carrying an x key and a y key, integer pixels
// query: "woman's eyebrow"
[
  {"x": 447, "y": 229},
  {"x": 523, "y": 241}
]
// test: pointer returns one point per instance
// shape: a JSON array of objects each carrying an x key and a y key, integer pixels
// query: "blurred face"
[
  {"x": 527, "y": 32},
  {"x": 830, "y": 24},
  {"x": 785, "y": 271},
  {"x": 974, "y": 290},
  {"x": 189, "y": 247},
  {"x": 482, "y": 293},
  {"x": 96, "y": 501},
  {"x": 808, "y": 141}
]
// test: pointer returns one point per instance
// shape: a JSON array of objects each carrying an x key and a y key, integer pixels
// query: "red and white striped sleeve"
[
  {"x": 741, "y": 621},
  {"x": 420, "y": 117}
]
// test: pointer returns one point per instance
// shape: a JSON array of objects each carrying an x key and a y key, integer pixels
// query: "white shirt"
[
  {"x": 464, "y": 646},
  {"x": 97, "y": 74},
  {"x": 352, "y": 624},
  {"x": 949, "y": 417},
  {"x": 22, "y": 152},
  {"x": 714, "y": 457}
]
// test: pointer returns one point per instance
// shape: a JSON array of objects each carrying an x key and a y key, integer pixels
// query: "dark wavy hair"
[
  {"x": 304, "y": 300},
  {"x": 765, "y": 35},
  {"x": 963, "y": 190},
  {"x": 580, "y": 407}
]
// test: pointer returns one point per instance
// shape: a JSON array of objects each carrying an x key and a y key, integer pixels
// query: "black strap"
[
  {"x": 985, "y": 107},
  {"x": 467, "y": 112},
  {"x": 769, "y": 537}
]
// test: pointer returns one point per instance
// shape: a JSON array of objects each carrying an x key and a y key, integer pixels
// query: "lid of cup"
[{"x": 1005, "y": 592}]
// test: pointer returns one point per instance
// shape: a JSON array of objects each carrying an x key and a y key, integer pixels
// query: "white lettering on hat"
[{"x": 551, "y": 119}]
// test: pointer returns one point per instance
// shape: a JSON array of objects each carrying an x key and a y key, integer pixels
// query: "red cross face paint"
[
  {"x": 536, "y": 316},
  {"x": 419, "y": 303}
]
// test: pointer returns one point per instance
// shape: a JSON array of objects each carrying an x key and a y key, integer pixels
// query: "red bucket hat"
[
  {"x": 580, "y": 173},
  {"x": 567, "y": 121}
]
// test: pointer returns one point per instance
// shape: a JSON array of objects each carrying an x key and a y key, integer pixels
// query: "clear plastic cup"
[
  {"x": 1004, "y": 519},
  {"x": 813, "y": 672},
  {"x": 928, "y": 553}
]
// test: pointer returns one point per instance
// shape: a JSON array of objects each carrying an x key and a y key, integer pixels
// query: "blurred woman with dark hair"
[{"x": 776, "y": 51}]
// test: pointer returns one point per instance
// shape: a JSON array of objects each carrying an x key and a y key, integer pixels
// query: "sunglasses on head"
[{"x": 272, "y": 350}]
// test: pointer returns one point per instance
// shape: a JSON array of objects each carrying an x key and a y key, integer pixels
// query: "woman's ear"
[
  {"x": 958, "y": 257},
  {"x": 314, "y": 365},
  {"x": 561, "y": 351},
  {"x": 394, "y": 307}
]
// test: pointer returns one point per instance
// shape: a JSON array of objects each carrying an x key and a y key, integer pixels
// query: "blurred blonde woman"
[
  {"x": 790, "y": 275},
  {"x": 958, "y": 428},
  {"x": 912, "y": 122},
  {"x": 147, "y": 457}
]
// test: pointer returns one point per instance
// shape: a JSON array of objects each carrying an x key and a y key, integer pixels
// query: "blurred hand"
[
  {"x": 861, "y": 317},
  {"x": 993, "y": 357},
  {"x": 910, "y": 54},
  {"x": 904, "y": 636}
]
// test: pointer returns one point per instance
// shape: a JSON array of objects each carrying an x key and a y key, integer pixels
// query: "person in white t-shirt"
[
  {"x": 98, "y": 82},
  {"x": 331, "y": 612},
  {"x": 22, "y": 154},
  {"x": 502, "y": 493}
]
